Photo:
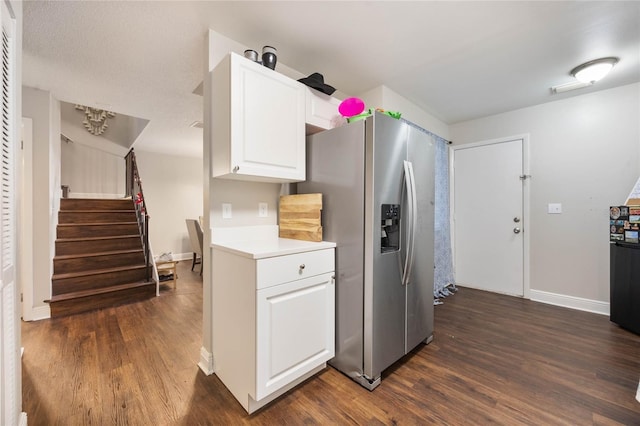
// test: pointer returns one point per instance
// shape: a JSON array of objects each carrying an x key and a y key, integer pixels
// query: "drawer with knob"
[{"x": 281, "y": 269}]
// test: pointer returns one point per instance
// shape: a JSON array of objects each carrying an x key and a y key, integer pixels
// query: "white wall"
[
  {"x": 585, "y": 154},
  {"x": 374, "y": 98},
  {"x": 173, "y": 192},
  {"x": 94, "y": 166},
  {"x": 78, "y": 134},
  {"x": 244, "y": 198},
  {"x": 44, "y": 183},
  {"x": 55, "y": 178},
  {"x": 91, "y": 172}
]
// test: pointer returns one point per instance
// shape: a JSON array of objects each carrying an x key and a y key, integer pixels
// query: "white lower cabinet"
[{"x": 273, "y": 321}]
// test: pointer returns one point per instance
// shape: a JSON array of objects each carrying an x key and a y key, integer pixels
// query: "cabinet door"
[
  {"x": 295, "y": 331},
  {"x": 321, "y": 112},
  {"x": 267, "y": 123}
]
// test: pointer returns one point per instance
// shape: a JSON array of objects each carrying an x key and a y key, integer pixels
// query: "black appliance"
[{"x": 625, "y": 285}]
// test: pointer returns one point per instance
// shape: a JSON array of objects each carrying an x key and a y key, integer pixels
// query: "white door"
[
  {"x": 488, "y": 214},
  {"x": 10, "y": 371}
]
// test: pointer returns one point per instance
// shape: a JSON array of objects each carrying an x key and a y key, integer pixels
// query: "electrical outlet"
[
  {"x": 554, "y": 208},
  {"x": 226, "y": 211},
  {"x": 263, "y": 210}
]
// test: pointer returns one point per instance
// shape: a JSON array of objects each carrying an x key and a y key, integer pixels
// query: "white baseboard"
[
  {"x": 177, "y": 256},
  {"x": 638, "y": 393},
  {"x": 206, "y": 361},
  {"x": 23, "y": 419},
  {"x": 183, "y": 256},
  {"x": 572, "y": 302},
  {"x": 38, "y": 313}
]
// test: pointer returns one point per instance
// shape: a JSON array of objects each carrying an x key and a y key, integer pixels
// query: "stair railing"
[{"x": 134, "y": 190}]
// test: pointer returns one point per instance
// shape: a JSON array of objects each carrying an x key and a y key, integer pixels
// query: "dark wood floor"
[{"x": 494, "y": 360}]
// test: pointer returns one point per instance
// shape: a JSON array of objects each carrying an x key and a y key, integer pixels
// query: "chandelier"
[{"x": 95, "y": 120}]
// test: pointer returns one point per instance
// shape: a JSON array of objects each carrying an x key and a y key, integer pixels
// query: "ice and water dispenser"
[{"x": 390, "y": 232}]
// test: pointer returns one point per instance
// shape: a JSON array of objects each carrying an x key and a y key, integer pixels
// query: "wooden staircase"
[{"x": 99, "y": 259}]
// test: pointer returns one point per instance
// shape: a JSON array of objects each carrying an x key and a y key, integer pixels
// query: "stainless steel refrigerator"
[{"x": 377, "y": 181}]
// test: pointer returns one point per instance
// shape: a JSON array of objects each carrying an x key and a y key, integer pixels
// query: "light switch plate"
[
  {"x": 555, "y": 208},
  {"x": 226, "y": 211}
]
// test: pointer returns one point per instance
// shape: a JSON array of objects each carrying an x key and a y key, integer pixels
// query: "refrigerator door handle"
[
  {"x": 404, "y": 266},
  {"x": 404, "y": 263},
  {"x": 413, "y": 205}
]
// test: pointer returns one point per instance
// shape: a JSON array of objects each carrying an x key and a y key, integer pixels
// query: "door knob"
[
  {"x": 516, "y": 230},
  {"x": 516, "y": 219}
]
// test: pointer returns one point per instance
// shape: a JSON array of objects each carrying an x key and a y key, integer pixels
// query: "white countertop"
[
  {"x": 260, "y": 242},
  {"x": 260, "y": 249}
]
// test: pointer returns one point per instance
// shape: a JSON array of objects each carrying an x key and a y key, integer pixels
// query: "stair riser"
[
  {"x": 99, "y": 301},
  {"x": 91, "y": 204},
  {"x": 96, "y": 281},
  {"x": 96, "y": 217},
  {"x": 90, "y": 263},
  {"x": 80, "y": 247},
  {"x": 78, "y": 231}
]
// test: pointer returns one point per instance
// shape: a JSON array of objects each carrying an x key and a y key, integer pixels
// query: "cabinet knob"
[{"x": 302, "y": 266}]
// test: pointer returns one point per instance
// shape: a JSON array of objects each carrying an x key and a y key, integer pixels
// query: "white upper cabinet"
[
  {"x": 321, "y": 112},
  {"x": 258, "y": 123}
]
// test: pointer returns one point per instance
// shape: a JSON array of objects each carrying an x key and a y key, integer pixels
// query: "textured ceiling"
[{"x": 457, "y": 60}]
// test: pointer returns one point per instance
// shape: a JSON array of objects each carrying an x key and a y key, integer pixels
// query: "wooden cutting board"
[{"x": 300, "y": 217}]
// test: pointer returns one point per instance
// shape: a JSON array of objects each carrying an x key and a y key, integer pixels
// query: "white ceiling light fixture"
[
  {"x": 592, "y": 71},
  {"x": 95, "y": 120},
  {"x": 587, "y": 74}
]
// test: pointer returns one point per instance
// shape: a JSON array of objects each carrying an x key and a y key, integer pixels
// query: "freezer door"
[
  {"x": 384, "y": 306},
  {"x": 335, "y": 167},
  {"x": 421, "y": 154}
]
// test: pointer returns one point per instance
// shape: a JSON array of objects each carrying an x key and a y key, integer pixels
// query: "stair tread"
[
  {"x": 99, "y": 199},
  {"x": 101, "y": 253},
  {"x": 109, "y": 237},
  {"x": 96, "y": 223},
  {"x": 99, "y": 211},
  {"x": 92, "y": 292},
  {"x": 96, "y": 271}
]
